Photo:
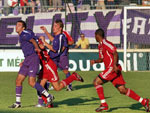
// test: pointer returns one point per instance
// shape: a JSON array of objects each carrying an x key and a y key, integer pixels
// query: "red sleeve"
[
  {"x": 100, "y": 52},
  {"x": 109, "y": 46},
  {"x": 69, "y": 38}
]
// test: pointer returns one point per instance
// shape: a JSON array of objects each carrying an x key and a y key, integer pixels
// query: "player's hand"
[
  {"x": 44, "y": 29},
  {"x": 42, "y": 38},
  {"x": 92, "y": 62},
  {"x": 38, "y": 50}
]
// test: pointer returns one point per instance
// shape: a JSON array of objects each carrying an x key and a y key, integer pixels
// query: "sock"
[
  {"x": 67, "y": 75},
  {"x": 39, "y": 88},
  {"x": 68, "y": 80},
  {"x": 47, "y": 85},
  {"x": 18, "y": 94},
  {"x": 134, "y": 96},
  {"x": 100, "y": 92},
  {"x": 40, "y": 100}
]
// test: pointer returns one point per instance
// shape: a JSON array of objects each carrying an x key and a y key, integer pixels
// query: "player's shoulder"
[
  {"x": 28, "y": 32},
  {"x": 107, "y": 43}
]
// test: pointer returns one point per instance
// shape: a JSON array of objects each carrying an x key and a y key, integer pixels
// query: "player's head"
[
  {"x": 99, "y": 35},
  {"x": 58, "y": 26},
  {"x": 82, "y": 36},
  {"x": 20, "y": 26}
]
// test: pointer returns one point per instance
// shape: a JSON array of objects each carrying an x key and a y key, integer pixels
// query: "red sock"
[
  {"x": 134, "y": 96},
  {"x": 100, "y": 92},
  {"x": 68, "y": 80}
]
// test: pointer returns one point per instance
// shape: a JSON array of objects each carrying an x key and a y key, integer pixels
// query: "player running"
[
  {"x": 49, "y": 71},
  {"x": 108, "y": 54},
  {"x": 30, "y": 65},
  {"x": 60, "y": 57}
]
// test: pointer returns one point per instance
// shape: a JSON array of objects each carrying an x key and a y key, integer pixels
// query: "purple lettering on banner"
[
  {"x": 76, "y": 19},
  {"x": 30, "y": 22},
  {"x": 103, "y": 21},
  {"x": 5, "y": 30},
  {"x": 138, "y": 30}
]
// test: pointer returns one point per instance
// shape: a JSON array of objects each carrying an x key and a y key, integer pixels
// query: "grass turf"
[{"x": 83, "y": 99}]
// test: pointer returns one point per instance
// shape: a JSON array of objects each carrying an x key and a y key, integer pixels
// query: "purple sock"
[
  {"x": 18, "y": 94},
  {"x": 68, "y": 74},
  {"x": 39, "y": 88},
  {"x": 40, "y": 100}
]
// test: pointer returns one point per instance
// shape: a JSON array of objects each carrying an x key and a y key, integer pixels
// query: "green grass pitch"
[{"x": 83, "y": 99}]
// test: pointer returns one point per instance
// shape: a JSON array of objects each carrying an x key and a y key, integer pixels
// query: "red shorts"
[
  {"x": 108, "y": 75},
  {"x": 49, "y": 72}
]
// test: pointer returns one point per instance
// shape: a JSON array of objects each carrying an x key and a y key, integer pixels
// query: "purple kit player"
[
  {"x": 60, "y": 44},
  {"x": 30, "y": 65}
]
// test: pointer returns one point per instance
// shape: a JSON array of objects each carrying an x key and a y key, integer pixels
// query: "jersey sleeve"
[
  {"x": 30, "y": 35},
  {"x": 69, "y": 38},
  {"x": 65, "y": 42},
  {"x": 109, "y": 46},
  {"x": 100, "y": 52}
]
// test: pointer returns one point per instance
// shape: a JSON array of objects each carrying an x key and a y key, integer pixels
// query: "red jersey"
[
  {"x": 106, "y": 50},
  {"x": 22, "y": 3},
  {"x": 69, "y": 38},
  {"x": 49, "y": 70}
]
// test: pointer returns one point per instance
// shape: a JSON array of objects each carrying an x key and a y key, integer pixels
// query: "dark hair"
[
  {"x": 23, "y": 23},
  {"x": 60, "y": 22},
  {"x": 82, "y": 34},
  {"x": 100, "y": 32}
]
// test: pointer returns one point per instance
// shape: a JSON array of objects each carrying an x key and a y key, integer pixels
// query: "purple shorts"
[
  {"x": 30, "y": 65},
  {"x": 62, "y": 62}
]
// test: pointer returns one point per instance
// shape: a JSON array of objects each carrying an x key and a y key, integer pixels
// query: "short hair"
[
  {"x": 23, "y": 23},
  {"x": 82, "y": 34},
  {"x": 60, "y": 22},
  {"x": 100, "y": 32}
]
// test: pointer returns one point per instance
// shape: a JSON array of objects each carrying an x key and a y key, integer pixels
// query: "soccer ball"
[{"x": 12, "y": 3}]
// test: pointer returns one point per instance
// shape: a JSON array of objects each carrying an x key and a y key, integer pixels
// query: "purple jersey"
[
  {"x": 58, "y": 43},
  {"x": 26, "y": 46}
]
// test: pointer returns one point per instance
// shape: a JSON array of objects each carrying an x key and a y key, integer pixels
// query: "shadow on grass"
[
  {"x": 136, "y": 106},
  {"x": 77, "y": 101},
  {"x": 83, "y": 86}
]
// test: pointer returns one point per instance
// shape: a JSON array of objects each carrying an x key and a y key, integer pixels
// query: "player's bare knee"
[
  {"x": 122, "y": 91},
  {"x": 18, "y": 82},
  {"x": 31, "y": 83},
  {"x": 57, "y": 89},
  {"x": 94, "y": 82}
]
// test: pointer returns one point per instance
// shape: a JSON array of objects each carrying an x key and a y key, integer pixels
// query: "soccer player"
[
  {"x": 49, "y": 71},
  {"x": 60, "y": 45},
  {"x": 108, "y": 54},
  {"x": 30, "y": 64}
]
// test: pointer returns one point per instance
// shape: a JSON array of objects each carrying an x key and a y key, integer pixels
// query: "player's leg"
[
  {"x": 98, "y": 82},
  {"x": 32, "y": 82},
  {"x": 67, "y": 73},
  {"x": 130, "y": 93},
  {"x": 59, "y": 85},
  {"x": 119, "y": 83},
  {"x": 64, "y": 65},
  {"x": 19, "y": 80}
]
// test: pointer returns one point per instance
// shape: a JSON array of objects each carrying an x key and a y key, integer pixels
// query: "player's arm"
[
  {"x": 115, "y": 66},
  {"x": 100, "y": 60},
  {"x": 35, "y": 45},
  {"x": 51, "y": 38},
  {"x": 50, "y": 47}
]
